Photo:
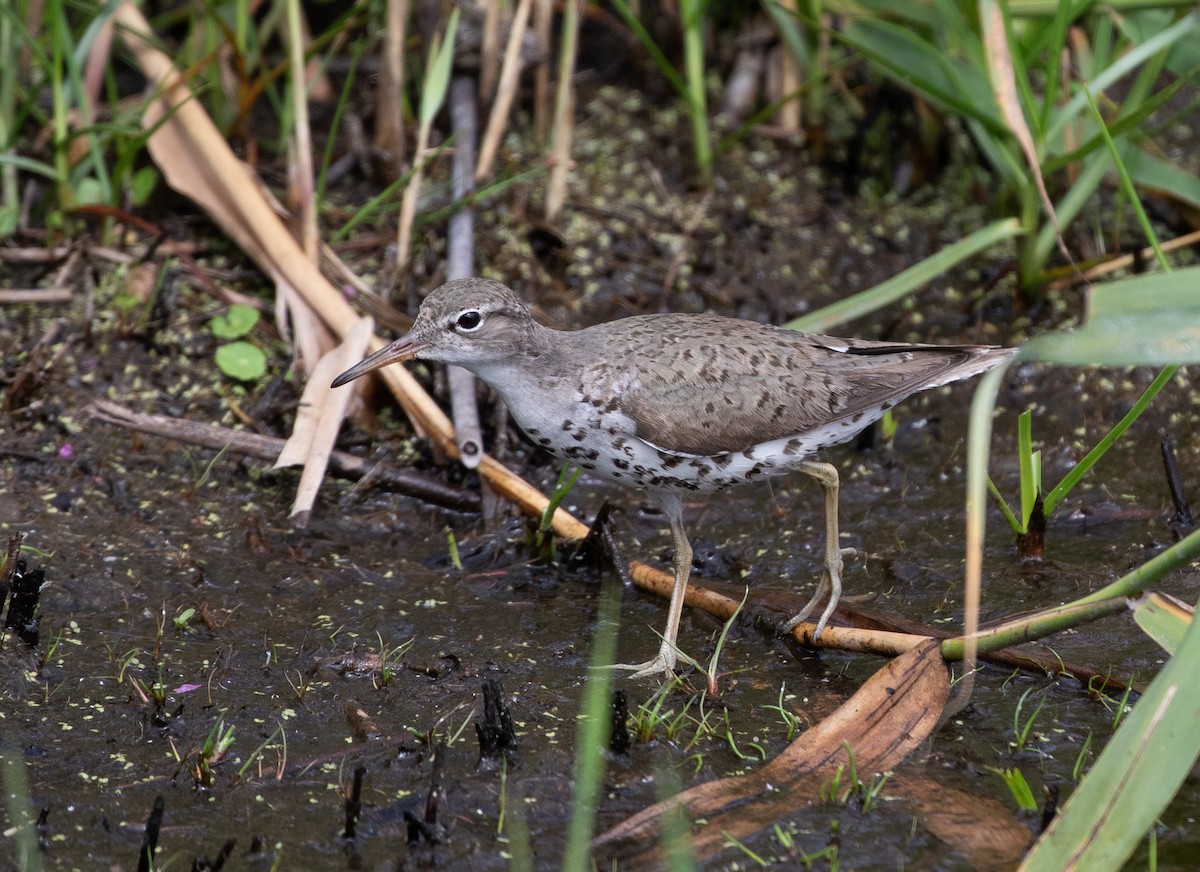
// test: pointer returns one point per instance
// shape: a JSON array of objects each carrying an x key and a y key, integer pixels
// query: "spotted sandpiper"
[{"x": 677, "y": 404}]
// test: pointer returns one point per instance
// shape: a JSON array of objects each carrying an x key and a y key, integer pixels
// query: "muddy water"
[
  {"x": 114, "y": 705},
  {"x": 137, "y": 531}
]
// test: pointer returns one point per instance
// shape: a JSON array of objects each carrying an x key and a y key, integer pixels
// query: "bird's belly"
[
  {"x": 605, "y": 443},
  {"x": 622, "y": 457}
]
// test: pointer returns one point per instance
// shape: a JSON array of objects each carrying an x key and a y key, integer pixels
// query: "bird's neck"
[{"x": 541, "y": 360}]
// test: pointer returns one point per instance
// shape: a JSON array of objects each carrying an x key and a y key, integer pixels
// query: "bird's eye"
[{"x": 469, "y": 320}]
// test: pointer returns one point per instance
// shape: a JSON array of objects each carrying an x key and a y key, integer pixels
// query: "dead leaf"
[
  {"x": 1004, "y": 87},
  {"x": 319, "y": 418},
  {"x": 197, "y": 162},
  {"x": 890, "y": 715},
  {"x": 987, "y": 834}
]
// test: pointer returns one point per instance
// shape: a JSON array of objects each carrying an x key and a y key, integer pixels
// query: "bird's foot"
[
  {"x": 663, "y": 664},
  {"x": 830, "y": 586}
]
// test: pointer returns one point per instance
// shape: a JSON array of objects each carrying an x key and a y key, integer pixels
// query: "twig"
[
  {"x": 389, "y": 111},
  {"x": 489, "y": 50},
  {"x": 506, "y": 91},
  {"x": 543, "y": 17},
  {"x": 788, "y": 116},
  {"x": 564, "y": 113},
  {"x": 1183, "y": 512},
  {"x": 35, "y": 295},
  {"x": 1118, "y": 263},
  {"x": 23, "y": 383},
  {"x": 460, "y": 262},
  {"x": 302, "y": 160},
  {"x": 268, "y": 448}
]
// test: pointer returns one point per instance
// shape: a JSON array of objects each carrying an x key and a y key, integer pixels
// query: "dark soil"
[{"x": 179, "y": 601}]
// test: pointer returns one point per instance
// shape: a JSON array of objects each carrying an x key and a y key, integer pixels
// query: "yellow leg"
[
  {"x": 831, "y": 578},
  {"x": 665, "y": 661}
]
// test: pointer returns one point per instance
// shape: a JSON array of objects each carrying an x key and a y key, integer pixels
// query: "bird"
[{"x": 678, "y": 404}]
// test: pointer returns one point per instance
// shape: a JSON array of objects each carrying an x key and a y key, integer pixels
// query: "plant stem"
[{"x": 1106, "y": 601}]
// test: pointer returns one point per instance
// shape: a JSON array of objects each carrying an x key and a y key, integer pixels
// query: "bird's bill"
[{"x": 404, "y": 348}]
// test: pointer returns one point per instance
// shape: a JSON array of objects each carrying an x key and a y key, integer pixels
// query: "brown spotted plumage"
[{"x": 679, "y": 403}]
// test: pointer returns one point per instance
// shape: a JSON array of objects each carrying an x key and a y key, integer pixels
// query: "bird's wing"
[{"x": 707, "y": 385}]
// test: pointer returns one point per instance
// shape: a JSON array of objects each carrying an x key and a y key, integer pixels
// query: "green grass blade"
[
  {"x": 1134, "y": 778},
  {"x": 1009, "y": 516},
  {"x": 1029, "y": 486},
  {"x": 22, "y": 820},
  {"x": 692, "y": 12},
  {"x": 437, "y": 79},
  {"x": 29, "y": 165},
  {"x": 660, "y": 60},
  {"x": 785, "y": 22},
  {"x": 1018, "y": 787},
  {"x": 1148, "y": 19},
  {"x": 1173, "y": 292},
  {"x": 907, "y": 282},
  {"x": 925, "y": 68},
  {"x": 1132, "y": 120},
  {"x": 1186, "y": 27},
  {"x": 1157, "y": 567},
  {"x": 1055, "y": 40},
  {"x": 979, "y": 439},
  {"x": 1072, "y": 203},
  {"x": 1127, "y": 184},
  {"x": 1082, "y": 468},
  {"x": 1146, "y": 320},
  {"x": 1149, "y": 171},
  {"x": 594, "y": 730}
]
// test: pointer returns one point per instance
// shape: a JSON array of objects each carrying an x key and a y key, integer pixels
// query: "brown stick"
[
  {"x": 35, "y": 295},
  {"x": 268, "y": 447},
  {"x": 25, "y": 380},
  {"x": 210, "y": 174}
]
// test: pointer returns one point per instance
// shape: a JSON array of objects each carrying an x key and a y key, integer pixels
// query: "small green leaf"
[
  {"x": 89, "y": 191},
  {"x": 237, "y": 321},
  {"x": 145, "y": 181},
  {"x": 242, "y": 361}
]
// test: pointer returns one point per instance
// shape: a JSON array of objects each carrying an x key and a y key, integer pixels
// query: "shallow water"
[
  {"x": 133, "y": 530},
  {"x": 136, "y": 531}
]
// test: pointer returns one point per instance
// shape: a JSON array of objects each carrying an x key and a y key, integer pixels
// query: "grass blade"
[
  {"x": 1135, "y": 776},
  {"x": 905, "y": 283}
]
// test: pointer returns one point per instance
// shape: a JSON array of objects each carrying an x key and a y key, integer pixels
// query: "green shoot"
[
  {"x": 733, "y": 842},
  {"x": 690, "y": 86},
  {"x": 216, "y": 746},
  {"x": 452, "y": 545},
  {"x": 1018, "y": 788},
  {"x": 391, "y": 659},
  {"x": 543, "y": 539},
  {"x": 760, "y": 753},
  {"x": 1081, "y": 758},
  {"x": 257, "y": 753},
  {"x": 183, "y": 619},
  {"x": 790, "y": 721},
  {"x": 1023, "y": 730}
]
